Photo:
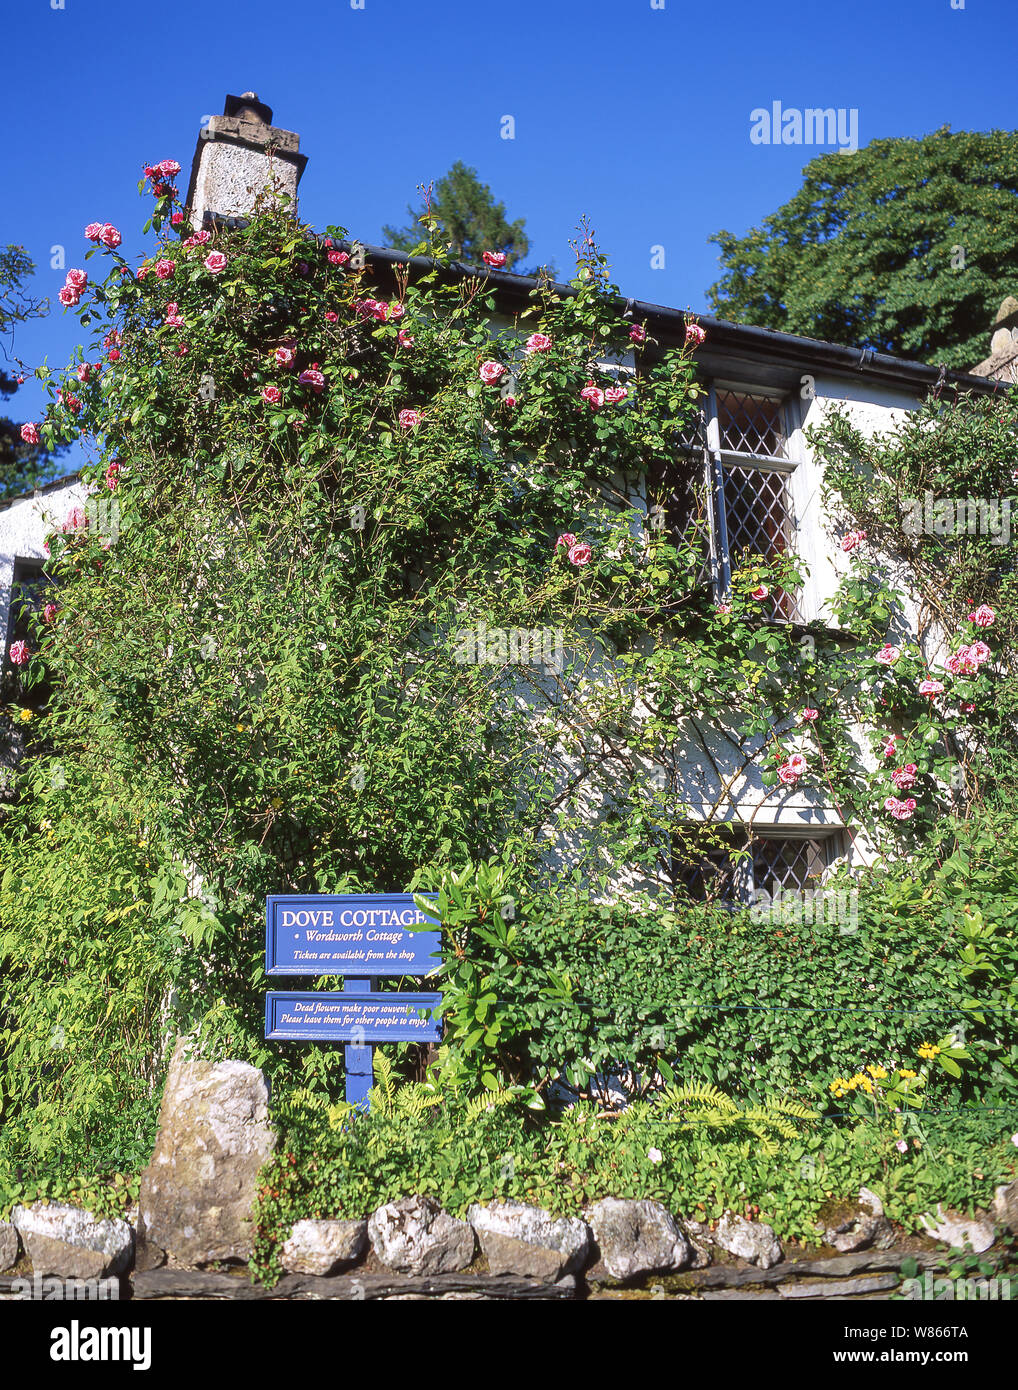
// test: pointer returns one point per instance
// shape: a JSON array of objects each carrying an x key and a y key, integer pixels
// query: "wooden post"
[{"x": 360, "y": 1075}]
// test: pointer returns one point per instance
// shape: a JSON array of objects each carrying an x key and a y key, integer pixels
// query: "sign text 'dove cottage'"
[{"x": 349, "y": 934}]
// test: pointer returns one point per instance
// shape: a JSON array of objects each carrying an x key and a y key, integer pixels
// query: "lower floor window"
[{"x": 739, "y": 864}]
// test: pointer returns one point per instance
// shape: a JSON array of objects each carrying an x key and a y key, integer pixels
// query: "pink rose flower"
[
  {"x": 176, "y": 219},
  {"x": 723, "y": 609},
  {"x": 614, "y": 394},
  {"x": 494, "y": 258},
  {"x": 197, "y": 239},
  {"x": 396, "y": 311},
  {"x": 164, "y": 269},
  {"x": 93, "y": 231},
  {"x": 580, "y": 554},
  {"x": 889, "y": 745},
  {"x": 285, "y": 356},
  {"x": 537, "y": 342},
  {"x": 930, "y": 688},
  {"x": 980, "y": 652},
  {"x": 797, "y": 763},
  {"x": 68, "y": 296},
  {"x": 272, "y": 395},
  {"x": 49, "y": 612},
  {"x": 338, "y": 258},
  {"x": 593, "y": 395},
  {"x": 312, "y": 377},
  {"x": 787, "y": 775},
  {"x": 404, "y": 338},
  {"x": 567, "y": 539},
  {"x": 19, "y": 653},
  {"x": 371, "y": 309},
  {"x": 409, "y": 419},
  {"x": 331, "y": 316},
  {"x": 490, "y": 372},
  {"x": 983, "y": 616},
  {"x": 72, "y": 403},
  {"x": 30, "y": 433},
  {"x": 904, "y": 777},
  {"x": 853, "y": 539},
  {"x": 887, "y": 655},
  {"x": 968, "y": 708},
  {"x": 810, "y": 716},
  {"x": 760, "y": 592},
  {"x": 77, "y": 279},
  {"x": 114, "y": 354},
  {"x": 215, "y": 262},
  {"x": 637, "y": 334},
  {"x": 113, "y": 476},
  {"x": 83, "y": 372},
  {"x": 169, "y": 168},
  {"x": 75, "y": 520},
  {"x": 694, "y": 334},
  {"x": 109, "y": 236}
]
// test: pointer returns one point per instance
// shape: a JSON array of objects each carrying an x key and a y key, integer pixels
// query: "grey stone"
[
  {"x": 958, "y": 1231},
  {"x": 637, "y": 1238},
  {"x": 415, "y": 1236},
  {"x": 865, "y": 1227},
  {"x": 750, "y": 1240},
  {"x": 322, "y": 1247},
  {"x": 214, "y": 1136},
  {"x": 1005, "y": 1207},
  {"x": 524, "y": 1240},
  {"x": 71, "y": 1243},
  {"x": 9, "y": 1245},
  {"x": 698, "y": 1235}
]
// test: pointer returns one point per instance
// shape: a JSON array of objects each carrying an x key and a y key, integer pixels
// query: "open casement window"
[
  {"x": 744, "y": 864},
  {"x": 734, "y": 471},
  {"x": 28, "y": 596}
]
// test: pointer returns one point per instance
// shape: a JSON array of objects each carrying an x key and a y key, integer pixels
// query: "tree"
[
  {"x": 470, "y": 220},
  {"x": 22, "y": 466},
  {"x": 906, "y": 246}
]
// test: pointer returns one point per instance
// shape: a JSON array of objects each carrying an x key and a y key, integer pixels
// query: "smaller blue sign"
[
  {"x": 344, "y": 1017},
  {"x": 351, "y": 934}
]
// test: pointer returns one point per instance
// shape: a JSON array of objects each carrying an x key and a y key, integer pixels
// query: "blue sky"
[{"x": 637, "y": 117}]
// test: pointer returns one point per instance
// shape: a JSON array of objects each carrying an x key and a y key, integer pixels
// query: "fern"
[{"x": 487, "y": 1100}]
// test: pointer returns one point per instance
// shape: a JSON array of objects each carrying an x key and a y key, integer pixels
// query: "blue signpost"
[{"x": 360, "y": 936}]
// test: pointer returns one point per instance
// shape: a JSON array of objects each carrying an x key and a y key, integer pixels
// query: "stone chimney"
[
  {"x": 1002, "y": 363},
  {"x": 237, "y": 155}
]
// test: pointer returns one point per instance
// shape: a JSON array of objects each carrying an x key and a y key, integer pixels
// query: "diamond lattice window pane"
[
  {"x": 794, "y": 864},
  {"x": 718, "y": 873},
  {"x": 751, "y": 425},
  {"x": 759, "y": 523}
]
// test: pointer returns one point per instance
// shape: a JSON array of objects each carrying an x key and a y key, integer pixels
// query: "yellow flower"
[
  {"x": 877, "y": 1073},
  {"x": 276, "y": 802},
  {"x": 240, "y": 728},
  {"x": 24, "y": 715},
  {"x": 928, "y": 1050},
  {"x": 904, "y": 1071},
  {"x": 867, "y": 1085}
]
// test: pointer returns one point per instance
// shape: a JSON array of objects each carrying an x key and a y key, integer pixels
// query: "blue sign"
[
  {"x": 357, "y": 934},
  {"x": 351, "y": 1018}
]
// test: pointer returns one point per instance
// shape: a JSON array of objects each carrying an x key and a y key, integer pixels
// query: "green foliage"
[
  {"x": 866, "y": 253},
  {"x": 461, "y": 211},
  {"x": 22, "y": 466},
  {"x": 657, "y": 1150}
]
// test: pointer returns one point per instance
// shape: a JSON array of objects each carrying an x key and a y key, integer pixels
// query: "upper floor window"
[{"x": 733, "y": 478}]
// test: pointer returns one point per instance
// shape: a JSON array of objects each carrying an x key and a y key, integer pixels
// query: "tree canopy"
[
  {"x": 22, "y": 465},
  {"x": 469, "y": 219},
  {"x": 906, "y": 246}
]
